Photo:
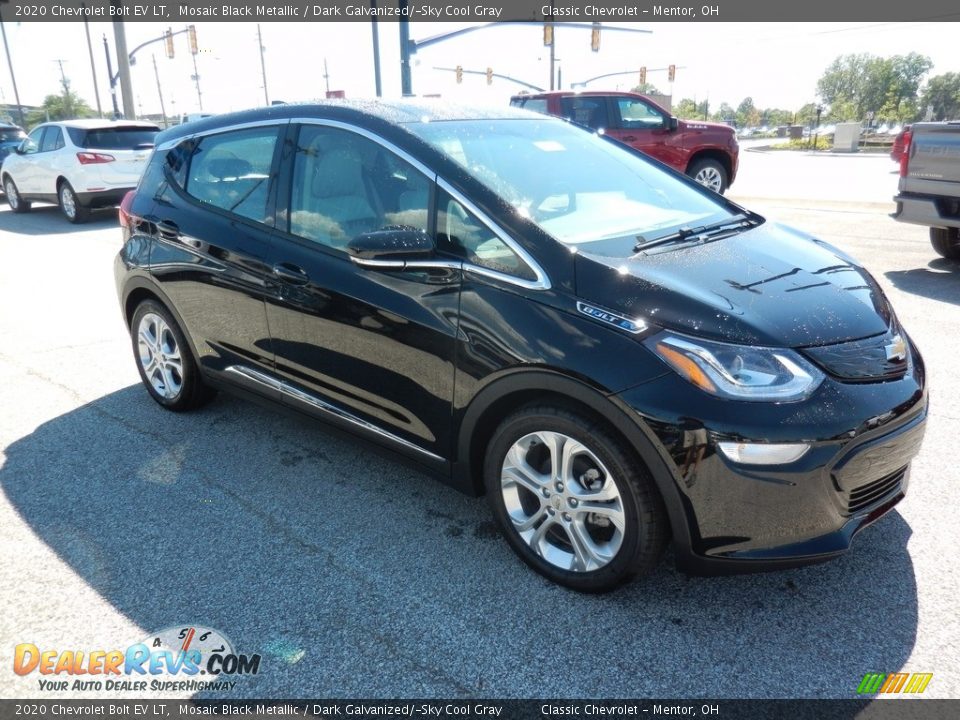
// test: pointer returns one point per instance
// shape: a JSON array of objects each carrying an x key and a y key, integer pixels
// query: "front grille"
[
  {"x": 866, "y": 495},
  {"x": 862, "y": 360}
]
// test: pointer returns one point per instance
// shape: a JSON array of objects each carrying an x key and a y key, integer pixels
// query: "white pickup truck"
[{"x": 930, "y": 184}]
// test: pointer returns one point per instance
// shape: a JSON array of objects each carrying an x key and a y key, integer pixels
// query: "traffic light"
[
  {"x": 595, "y": 37},
  {"x": 671, "y": 73},
  {"x": 547, "y": 34},
  {"x": 489, "y": 76},
  {"x": 192, "y": 35},
  {"x": 459, "y": 74},
  {"x": 168, "y": 41},
  {"x": 643, "y": 76}
]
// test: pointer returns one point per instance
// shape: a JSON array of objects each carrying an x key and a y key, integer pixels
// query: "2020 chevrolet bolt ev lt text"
[
  {"x": 616, "y": 356},
  {"x": 80, "y": 165}
]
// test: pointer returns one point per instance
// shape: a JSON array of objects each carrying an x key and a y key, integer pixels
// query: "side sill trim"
[{"x": 314, "y": 403}]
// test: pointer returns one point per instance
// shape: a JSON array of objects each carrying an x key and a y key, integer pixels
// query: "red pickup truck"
[{"x": 707, "y": 152}]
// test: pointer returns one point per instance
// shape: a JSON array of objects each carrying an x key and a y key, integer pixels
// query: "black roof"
[{"x": 395, "y": 112}]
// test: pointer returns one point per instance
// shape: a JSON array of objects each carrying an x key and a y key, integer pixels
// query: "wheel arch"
[
  {"x": 505, "y": 395},
  {"x": 140, "y": 288},
  {"x": 712, "y": 154}
]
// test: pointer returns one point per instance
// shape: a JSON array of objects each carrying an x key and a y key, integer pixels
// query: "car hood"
[{"x": 771, "y": 285}]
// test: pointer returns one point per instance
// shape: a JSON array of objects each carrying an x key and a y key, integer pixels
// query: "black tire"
[
  {"x": 16, "y": 203},
  {"x": 191, "y": 393},
  {"x": 946, "y": 241},
  {"x": 709, "y": 173},
  {"x": 70, "y": 204},
  {"x": 645, "y": 526}
]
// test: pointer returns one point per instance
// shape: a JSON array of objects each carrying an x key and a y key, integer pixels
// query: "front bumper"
[{"x": 731, "y": 517}]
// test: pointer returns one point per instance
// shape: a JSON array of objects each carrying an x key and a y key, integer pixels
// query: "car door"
[
  {"x": 25, "y": 169},
  {"x": 371, "y": 349},
  {"x": 213, "y": 242},
  {"x": 644, "y": 126}
]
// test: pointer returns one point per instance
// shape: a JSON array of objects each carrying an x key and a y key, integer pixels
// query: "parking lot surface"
[{"x": 353, "y": 575}]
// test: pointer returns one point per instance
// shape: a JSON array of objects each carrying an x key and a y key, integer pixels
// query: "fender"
[
  {"x": 143, "y": 281},
  {"x": 467, "y": 476}
]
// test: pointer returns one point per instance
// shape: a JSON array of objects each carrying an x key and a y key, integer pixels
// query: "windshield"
[{"x": 577, "y": 186}]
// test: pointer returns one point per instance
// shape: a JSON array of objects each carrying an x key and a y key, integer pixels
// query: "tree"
[
  {"x": 854, "y": 85},
  {"x": 725, "y": 112},
  {"x": 807, "y": 115},
  {"x": 647, "y": 89},
  {"x": 942, "y": 93},
  {"x": 60, "y": 107},
  {"x": 747, "y": 113}
]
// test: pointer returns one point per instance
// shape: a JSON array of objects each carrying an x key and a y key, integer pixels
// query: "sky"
[{"x": 777, "y": 64}]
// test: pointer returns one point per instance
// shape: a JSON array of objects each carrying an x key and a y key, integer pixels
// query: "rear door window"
[
  {"x": 52, "y": 140},
  {"x": 590, "y": 111},
  {"x": 232, "y": 171}
]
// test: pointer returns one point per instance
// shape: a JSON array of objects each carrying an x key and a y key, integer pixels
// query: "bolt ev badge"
[
  {"x": 611, "y": 318},
  {"x": 897, "y": 349}
]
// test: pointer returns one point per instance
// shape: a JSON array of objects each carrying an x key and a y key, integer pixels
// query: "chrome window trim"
[
  {"x": 407, "y": 264},
  {"x": 340, "y": 125},
  {"x": 289, "y": 391},
  {"x": 170, "y": 144},
  {"x": 541, "y": 283}
]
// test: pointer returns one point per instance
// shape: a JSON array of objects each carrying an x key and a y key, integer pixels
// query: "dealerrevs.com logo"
[{"x": 183, "y": 658}]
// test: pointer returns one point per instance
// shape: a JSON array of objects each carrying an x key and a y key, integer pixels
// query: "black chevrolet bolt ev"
[{"x": 615, "y": 356}]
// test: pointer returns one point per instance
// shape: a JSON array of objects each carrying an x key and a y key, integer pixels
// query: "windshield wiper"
[{"x": 722, "y": 228}]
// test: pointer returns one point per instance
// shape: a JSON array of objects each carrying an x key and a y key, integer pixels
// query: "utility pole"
[
  {"x": 196, "y": 80},
  {"x": 326, "y": 74},
  {"x": 376, "y": 48},
  {"x": 113, "y": 83},
  {"x": 553, "y": 42},
  {"x": 263, "y": 66},
  {"x": 406, "y": 79},
  {"x": 156, "y": 74},
  {"x": 13, "y": 79},
  {"x": 67, "y": 108},
  {"x": 93, "y": 68},
  {"x": 123, "y": 65}
]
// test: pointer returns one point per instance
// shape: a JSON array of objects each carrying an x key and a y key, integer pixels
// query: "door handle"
[
  {"x": 630, "y": 138},
  {"x": 168, "y": 230},
  {"x": 292, "y": 274}
]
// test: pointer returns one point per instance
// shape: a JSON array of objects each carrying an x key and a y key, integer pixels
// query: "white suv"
[{"x": 78, "y": 164}]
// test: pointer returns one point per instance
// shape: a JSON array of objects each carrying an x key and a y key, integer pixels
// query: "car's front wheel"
[
  {"x": 946, "y": 241},
  {"x": 14, "y": 200},
  {"x": 70, "y": 204},
  {"x": 709, "y": 173},
  {"x": 166, "y": 365},
  {"x": 574, "y": 502}
]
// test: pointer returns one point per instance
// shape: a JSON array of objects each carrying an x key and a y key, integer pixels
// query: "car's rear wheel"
[
  {"x": 574, "y": 502},
  {"x": 946, "y": 241},
  {"x": 709, "y": 173},
  {"x": 70, "y": 204},
  {"x": 16, "y": 203},
  {"x": 166, "y": 365}
]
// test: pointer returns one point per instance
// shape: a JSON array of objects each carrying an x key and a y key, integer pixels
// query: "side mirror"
[
  {"x": 19, "y": 149},
  {"x": 391, "y": 247},
  {"x": 673, "y": 123}
]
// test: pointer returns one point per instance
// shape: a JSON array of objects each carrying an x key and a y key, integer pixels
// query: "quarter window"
[
  {"x": 460, "y": 232},
  {"x": 345, "y": 185},
  {"x": 231, "y": 171}
]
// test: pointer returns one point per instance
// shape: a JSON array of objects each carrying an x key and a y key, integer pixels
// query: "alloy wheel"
[
  {"x": 68, "y": 202},
  {"x": 12, "y": 197},
  {"x": 160, "y": 356},
  {"x": 709, "y": 177},
  {"x": 562, "y": 501}
]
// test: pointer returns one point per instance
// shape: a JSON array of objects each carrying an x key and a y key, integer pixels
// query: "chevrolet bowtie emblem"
[{"x": 896, "y": 349}]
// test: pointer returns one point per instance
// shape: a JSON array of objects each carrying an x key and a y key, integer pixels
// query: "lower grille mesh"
[{"x": 866, "y": 495}]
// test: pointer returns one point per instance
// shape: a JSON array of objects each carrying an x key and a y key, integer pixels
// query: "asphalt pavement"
[{"x": 355, "y": 576}]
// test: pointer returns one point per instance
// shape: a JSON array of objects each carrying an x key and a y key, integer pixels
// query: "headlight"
[{"x": 738, "y": 372}]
